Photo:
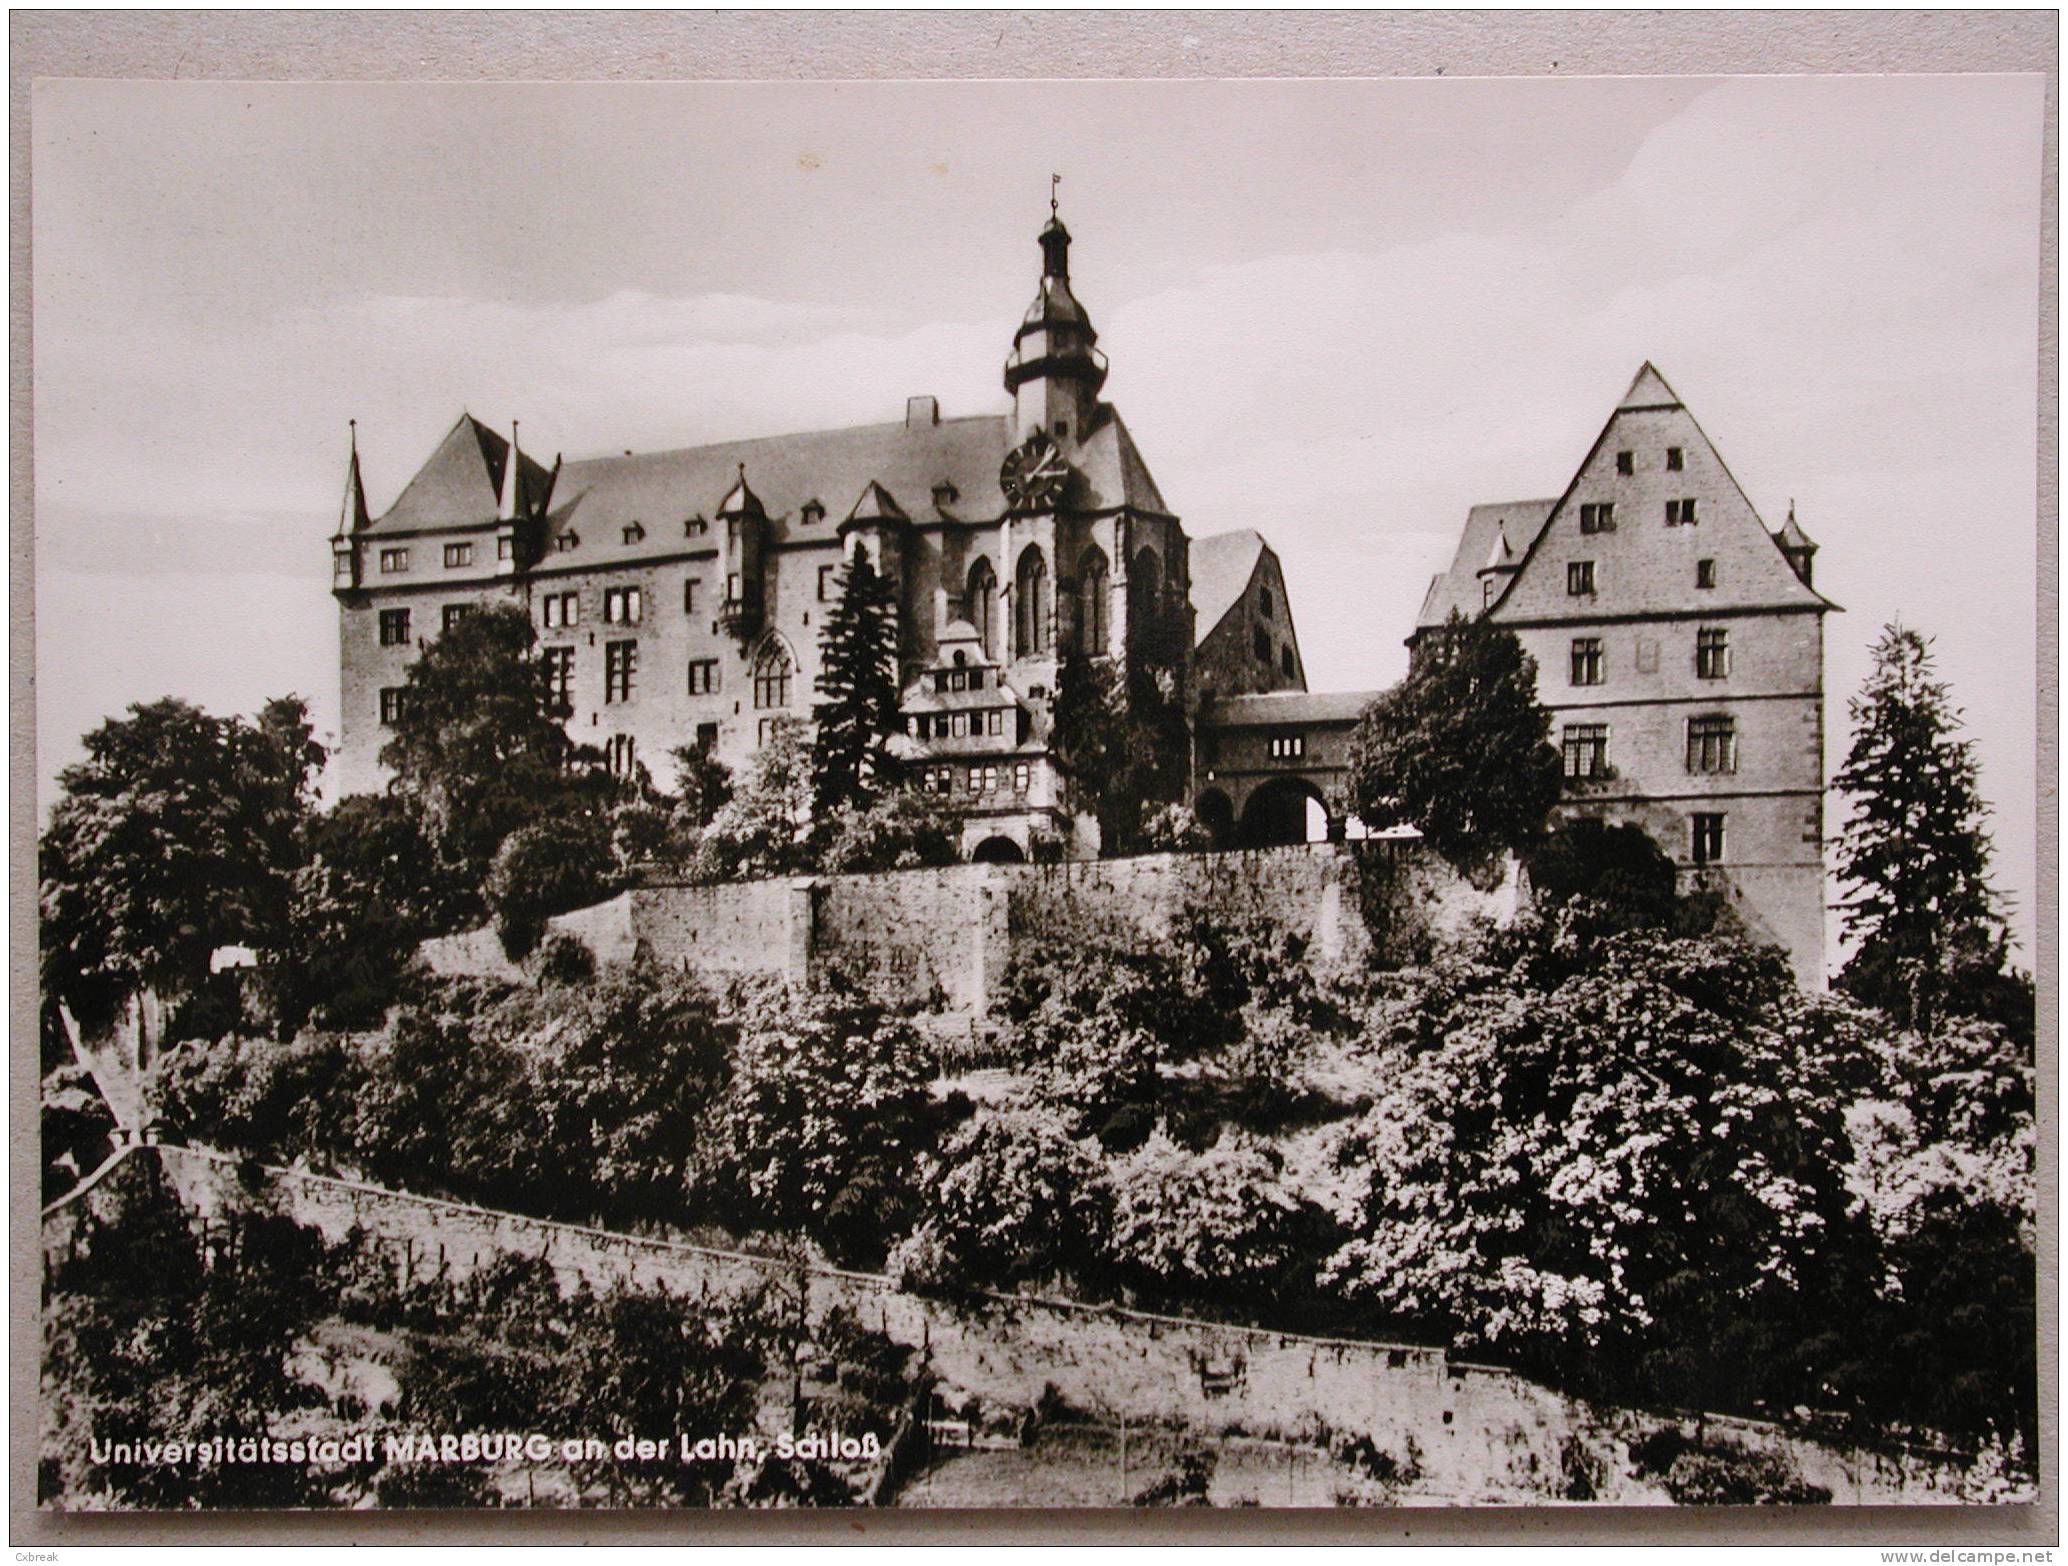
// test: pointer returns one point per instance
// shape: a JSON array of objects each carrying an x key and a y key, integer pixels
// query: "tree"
[
  {"x": 765, "y": 828},
  {"x": 476, "y": 753},
  {"x": 1460, "y": 748},
  {"x": 1221, "y": 1219},
  {"x": 179, "y": 833},
  {"x": 1013, "y": 1195},
  {"x": 1122, "y": 743},
  {"x": 1916, "y": 849},
  {"x": 702, "y": 784},
  {"x": 900, "y": 830},
  {"x": 546, "y": 869},
  {"x": 858, "y": 678}
]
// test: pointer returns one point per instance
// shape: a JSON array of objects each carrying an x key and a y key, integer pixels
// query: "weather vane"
[{"x": 1053, "y": 208}]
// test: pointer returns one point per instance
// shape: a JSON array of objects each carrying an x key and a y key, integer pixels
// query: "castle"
[{"x": 679, "y": 598}]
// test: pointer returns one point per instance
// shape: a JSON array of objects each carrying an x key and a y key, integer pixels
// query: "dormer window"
[
  {"x": 945, "y": 494},
  {"x": 634, "y": 533},
  {"x": 568, "y": 542},
  {"x": 695, "y": 527},
  {"x": 813, "y": 513}
]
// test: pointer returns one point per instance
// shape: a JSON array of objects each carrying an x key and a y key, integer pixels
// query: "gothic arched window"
[
  {"x": 1031, "y": 603},
  {"x": 1144, "y": 592},
  {"x": 1092, "y": 605},
  {"x": 772, "y": 676},
  {"x": 980, "y": 605}
]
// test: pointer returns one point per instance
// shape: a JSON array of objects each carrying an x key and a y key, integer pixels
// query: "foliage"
[
  {"x": 702, "y": 784},
  {"x": 901, "y": 829},
  {"x": 1174, "y": 829},
  {"x": 764, "y": 829},
  {"x": 1221, "y": 1219},
  {"x": 1915, "y": 851},
  {"x": 549, "y": 868},
  {"x": 562, "y": 959},
  {"x": 1617, "y": 866},
  {"x": 475, "y": 753},
  {"x": 1122, "y": 741},
  {"x": 1722, "y": 1473},
  {"x": 1620, "y": 1157},
  {"x": 77, "y": 1130},
  {"x": 1013, "y": 1195},
  {"x": 178, "y": 833},
  {"x": 851, "y": 763},
  {"x": 1460, "y": 748},
  {"x": 827, "y": 1110},
  {"x": 149, "y": 1337}
]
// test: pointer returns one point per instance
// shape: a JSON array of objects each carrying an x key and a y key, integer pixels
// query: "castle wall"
[{"x": 1477, "y": 1432}]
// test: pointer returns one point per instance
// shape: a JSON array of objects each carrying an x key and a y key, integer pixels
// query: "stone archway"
[
  {"x": 1217, "y": 815},
  {"x": 998, "y": 851},
  {"x": 1283, "y": 811}
]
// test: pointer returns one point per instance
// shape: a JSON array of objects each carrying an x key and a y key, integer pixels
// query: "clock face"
[{"x": 1034, "y": 474}]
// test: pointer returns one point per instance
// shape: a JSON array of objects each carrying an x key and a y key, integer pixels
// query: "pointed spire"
[
  {"x": 1648, "y": 389},
  {"x": 1502, "y": 556},
  {"x": 509, "y": 502},
  {"x": 741, "y": 501},
  {"x": 352, "y": 518},
  {"x": 1791, "y": 536}
]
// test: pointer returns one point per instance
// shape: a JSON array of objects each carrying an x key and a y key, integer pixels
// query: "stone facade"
[{"x": 1679, "y": 645}]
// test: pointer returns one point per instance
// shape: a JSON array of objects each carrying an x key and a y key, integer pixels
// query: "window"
[
  {"x": 1712, "y": 744},
  {"x": 394, "y": 560},
  {"x": 1707, "y": 844},
  {"x": 976, "y": 678},
  {"x": 813, "y": 512},
  {"x": 621, "y": 606},
  {"x": 568, "y": 542},
  {"x": 392, "y": 702},
  {"x": 623, "y": 755},
  {"x": 1264, "y": 602},
  {"x": 1094, "y": 602},
  {"x": 563, "y": 609},
  {"x": 826, "y": 583},
  {"x": 1032, "y": 618},
  {"x": 707, "y": 737},
  {"x": 1598, "y": 518},
  {"x": 560, "y": 680},
  {"x": 634, "y": 533},
  {"x": 977, "y": 603},
  {"x": 764, "y": 731},
  {"x": 1712, "y": 652},
  {"x": 1284, "y": 747},
  {"x": 1285, "y": 661},
  {"x": 1680, "y": 513},
  {"x": 958, "y": 679},
  {"x": 454, "y": 613},
  {"x": 620, "y": 670},
  {"x": 983, "y": 780},
  {"x": 459, "y": 555},
  {"x": 343, "y": 558},
  {"x": 1586, "y": 660},
  {"x": 772, "y": 676},
  {"x": 1673, "y": 462},
  {"x": 1705, "y": 573},
  {"x": 958, "y": 726},
  {"x": 1625, "y": 462},
  {"x": 939, "y": 780},
  {"x": 695, "y": 527},
  {"x": 1579, "y": 578},
  {"x": 1584, "y": 749},
  {"x": 506, "y": 548},
  {"x": 1022, "y": 776},
  {"x": 690, "y": 590},
  {"x": 994, "y": 722},
  {"x": 703, "y": 676},
  {"x": 1260, "y": 640},
  {"x": 394, "y": 627}
]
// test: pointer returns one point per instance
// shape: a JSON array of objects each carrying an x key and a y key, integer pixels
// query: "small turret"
[
  {"x": 1501, "y": 565},
  {"x": 878, "y": 524},
  {"x": 352, "y": 518},
  {"x": 1798, "y": 546},
  {"x": 745, "y": 522}
]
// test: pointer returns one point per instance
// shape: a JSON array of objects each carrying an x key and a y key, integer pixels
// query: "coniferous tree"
[
  {"x": 858, "y": 683},
  {"x": 1916, "y": 849}
]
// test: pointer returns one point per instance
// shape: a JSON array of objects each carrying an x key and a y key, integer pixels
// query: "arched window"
[
  {"x": 1144, "y": 592},
  {"x": 772, "y": 676},
  {"x": 1031, "y": 603},
  {"x": 980, "y": 604},
  {"x": 1092, "y": 603}
]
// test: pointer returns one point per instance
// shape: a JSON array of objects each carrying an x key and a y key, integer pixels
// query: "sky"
[{"x": 1339, "y": 312}]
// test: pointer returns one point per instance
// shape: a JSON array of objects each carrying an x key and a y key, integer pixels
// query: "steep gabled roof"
[
  {"x": 1459, "y": 587},
  {"x": 1280, "y": 707},
  {"x": 1223, "y": 564},
  {"x": 461, "y": 483}
]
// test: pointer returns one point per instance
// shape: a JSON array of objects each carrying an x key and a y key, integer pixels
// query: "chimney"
[{"x": 922, "y": 412}]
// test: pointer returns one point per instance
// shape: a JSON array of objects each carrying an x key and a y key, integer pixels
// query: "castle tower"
[
  {"x": 352, "y": 520},
  {"x": 745, "y": 522},
  {"x": 1055, "y": 370}
]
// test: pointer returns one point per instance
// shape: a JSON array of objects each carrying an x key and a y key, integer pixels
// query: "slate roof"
[
  {"x": 598, "y": 497},
  {"x": 1222, "y": 566},
  {"x": 1458, "y": 588},
  {"x": 1278, "y": 707}
]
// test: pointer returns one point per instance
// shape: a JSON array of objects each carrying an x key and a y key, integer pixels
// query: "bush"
[
  {"x": 545, "y": 870},
  {"x": 1012, "y": 1195},
  {"x": 562, "y": 960},
  {"x": 1221, "y": 1220},
  {"x": 900, "y": 830}
]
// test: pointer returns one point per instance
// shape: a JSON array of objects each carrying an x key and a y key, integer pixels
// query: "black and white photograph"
[{"x": 868, "y": 794}]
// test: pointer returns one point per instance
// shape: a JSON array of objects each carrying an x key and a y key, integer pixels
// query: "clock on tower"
[{"x": 1034, "y": 474}]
